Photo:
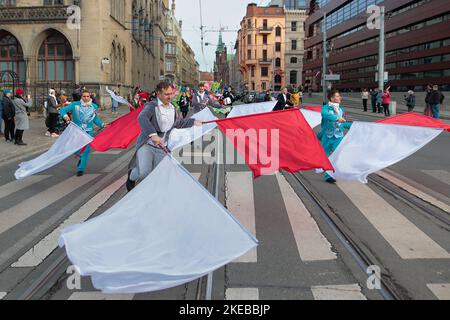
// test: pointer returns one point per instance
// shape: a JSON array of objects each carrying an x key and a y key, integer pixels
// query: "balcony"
[
  {"x": 265, "y": 30},
  {"x": 265, "y": 61},
  {"x": 33, "y": 14},
  {"x": 251, "y": 62}
]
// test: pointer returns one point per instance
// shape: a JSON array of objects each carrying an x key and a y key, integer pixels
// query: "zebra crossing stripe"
[
  {"x": 26, "y": 209},
  {"x": 403, "y": 236},
  {"x": 45, "y": 247},
  {"x": 240, "y": 294},
  {"x": 311, "y": 243},
  {"x": 338, "y": 292},
  {"x": 240, "y": 201},
  {"x": 95, "y": 296},
  {"x": 440, "y": 290},
  {"x": 18, "y": 185}
]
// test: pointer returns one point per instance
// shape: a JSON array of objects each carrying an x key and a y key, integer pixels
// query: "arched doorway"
[{"x": 12, "y": 63}]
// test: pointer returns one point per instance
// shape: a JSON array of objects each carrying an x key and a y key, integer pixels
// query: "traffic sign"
[{"x": 332, "y": 77}]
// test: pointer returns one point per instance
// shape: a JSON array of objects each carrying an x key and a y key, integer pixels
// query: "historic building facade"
[
  {"x": 118, "y": 44},
  {"x": 261, "y": 48},
  {"x": 295, "y": 49}
]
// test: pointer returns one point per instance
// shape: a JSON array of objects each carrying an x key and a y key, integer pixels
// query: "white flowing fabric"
[
  {"x": 168, "y": 231},
  {"x": 313, "y": 118},
  {"x": 72, "y": 140},
  {"x": 370, "y": 147},
  {"x": 181, "y": 137},
  {"x": 119, "y": 99},
  {"x": 252, "y": 108}
]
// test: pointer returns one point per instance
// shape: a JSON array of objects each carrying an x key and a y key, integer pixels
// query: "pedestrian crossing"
[
  {"x": 408, "y": 240},
  {"x": 403, "y": 236},
  {"x": 27, "y": 208}
]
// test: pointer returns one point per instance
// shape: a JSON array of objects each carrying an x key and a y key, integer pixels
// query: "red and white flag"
[
  {"x": 362, "y": 152},
  {"x": 275, "y": 140}
]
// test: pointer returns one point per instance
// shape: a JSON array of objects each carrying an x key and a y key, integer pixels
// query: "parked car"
[
  {"x": 260, "y": 97},
  {"x": 249, "y": 97}
]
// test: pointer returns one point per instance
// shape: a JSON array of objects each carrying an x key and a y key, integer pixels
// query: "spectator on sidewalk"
[
  {"x": 427, "y": 111},
  {"x": 22, "y": 122},
  {"x": 1, "y": 111},
  {"x": 114, "y": 104},
  {"x": 365, "y": 98},
  {"x": 373, "y": 96},
  {"x": 387, "y": 102},
  {"x": 436, "y": 100},
  {"x": 53, "y": 114},
  {"x": 76, "y": 94},
  {"x": 410, "y": 100},
  {"x": 9, "y": 112},
  {"x": 379, "y": 100}
]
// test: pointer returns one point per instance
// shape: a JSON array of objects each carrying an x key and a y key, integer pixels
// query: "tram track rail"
[{"x": 362, "y": 256}]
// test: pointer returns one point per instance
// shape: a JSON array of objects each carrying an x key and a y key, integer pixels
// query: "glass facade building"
[{"x": 417, "y": 43}]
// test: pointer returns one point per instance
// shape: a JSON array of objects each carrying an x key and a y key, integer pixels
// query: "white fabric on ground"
[
  {"x": 370, "y": 147},
  {"x": 181, "y": 137},
  {"x": 72, "y": 140},
  {"x": 168, "y": 231}
]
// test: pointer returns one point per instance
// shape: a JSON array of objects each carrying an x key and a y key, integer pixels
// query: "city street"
[
  {"x": 316, "y": 240},
  {"x": 207, "y": 153}
]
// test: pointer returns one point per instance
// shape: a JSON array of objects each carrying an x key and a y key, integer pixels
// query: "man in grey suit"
[
  {"x": 201, "y": 100},
  {"x": 157, "y": 120}
]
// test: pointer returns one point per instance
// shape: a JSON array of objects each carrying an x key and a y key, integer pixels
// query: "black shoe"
[
  {"x": 130, "y": 183},
  {"x": 331, "y": 180},
  {"x": 80, "y": 173},
  {"x": 20, "y": 143}
]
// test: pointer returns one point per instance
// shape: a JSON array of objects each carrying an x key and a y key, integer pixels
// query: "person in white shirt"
[{"x": 157, "y": 120}]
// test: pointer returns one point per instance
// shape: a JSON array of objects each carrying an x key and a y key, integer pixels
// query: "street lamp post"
[
  {"x": 324, "y": 54},
  {"x": 381, "y": 53}
]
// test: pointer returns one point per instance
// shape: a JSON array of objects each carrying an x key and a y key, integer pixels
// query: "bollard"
[{"x": 393, "y": 107}]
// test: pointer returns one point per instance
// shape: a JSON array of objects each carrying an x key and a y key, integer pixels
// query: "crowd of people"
[{"x": 381, "y": 101}]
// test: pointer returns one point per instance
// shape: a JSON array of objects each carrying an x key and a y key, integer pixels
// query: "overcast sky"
[{"x": 216, "y": 13}]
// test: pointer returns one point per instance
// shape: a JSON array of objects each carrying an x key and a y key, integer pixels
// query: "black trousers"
[
  {"x": 10, "y": 127},
  {"x": 365, "y": 104},
  {"x": 185, "y": 113},
  {"x": 53, "y": 121},
  {"x": 19, "y": 135},
  {"x": 387, "y": 112},
  {"x": 374, "y": 107}
]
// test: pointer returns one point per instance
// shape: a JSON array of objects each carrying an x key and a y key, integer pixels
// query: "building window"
[
  {"x": 11, "y": 55},
  {"x": 264, "y": 55},
  {"x": 278, "y": 46},
  {"x": 55, "y": 59},
  {"x": 278, "y": 31},
  {"x": 293, "y": 26},
  {"x": 253, "y": 86},
  {"x": 253, "y": 71},
  {"x": 293, "y": 77},
  {"x": 264, "y": 71},
  {"x": 263, "y": 86},
  {"x": 294, "y": 60},
  {"x": 249, "y": 54},
  {"x": 294, "y": 44},
  {"x": 278, "y": 62},
  {"x": 249, "y": 40},
  {"x": 264, "y": 38}
]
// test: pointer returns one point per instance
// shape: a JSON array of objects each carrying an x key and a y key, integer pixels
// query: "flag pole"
[{"x": 209, "y": 283}]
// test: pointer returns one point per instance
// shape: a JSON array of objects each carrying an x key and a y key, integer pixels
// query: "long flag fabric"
[
  {"x": 151, "y": 241},
  {"x": 314, "y": 118},
  {"x": 252, "y": 108},
  {"x": 274, "y": 140},
  {"x": 362, "y": 152},
  {"x": 120, "y": 134},
  {"x": 119, "y": 99},
  {"x": 181, "y": 137},
  {"x": 416, "y": 119},
  {"x": 72, "y": 140}
]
